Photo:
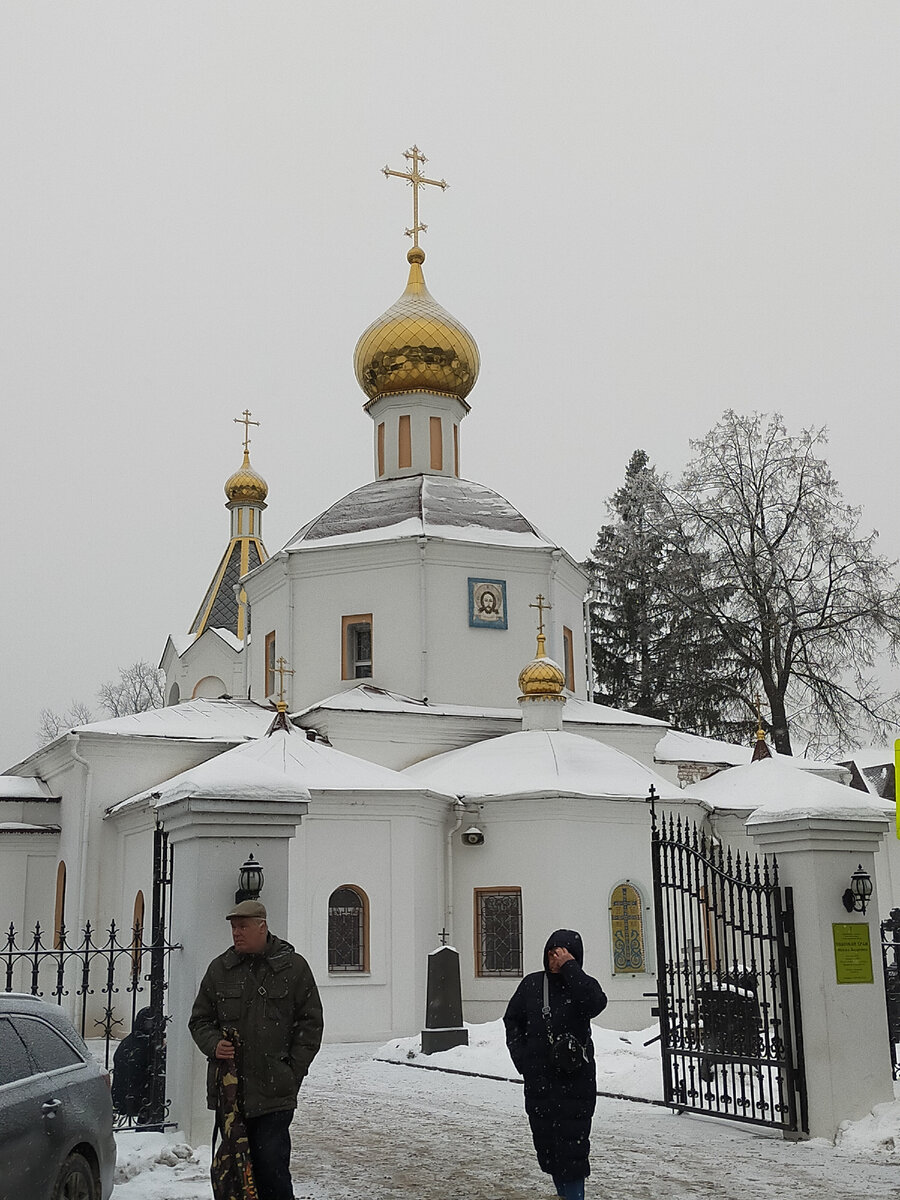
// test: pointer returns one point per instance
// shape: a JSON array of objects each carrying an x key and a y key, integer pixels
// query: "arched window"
[
  {"x": 137, "y": 933},
  {"x": 211, "y": 687},
  {"x": 59, "y": 909},
  {"x": 174, "y": 694},
  {"x": 626, "y": 920},
  {"x": 348, "y": 930}
]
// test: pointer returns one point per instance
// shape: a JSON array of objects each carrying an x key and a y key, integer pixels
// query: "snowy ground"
[{"x": 378, "y": 1130}]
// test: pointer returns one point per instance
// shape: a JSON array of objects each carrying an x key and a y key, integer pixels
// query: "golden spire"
[
  {"x": 246, "y": 485},
  {"x": 282, "y": 669},
  {"x": 415, "y": 179},
  {"x": 761, "y": 746}
]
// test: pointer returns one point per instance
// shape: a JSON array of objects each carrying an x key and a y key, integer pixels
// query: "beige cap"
[{"x": 248, "y": 908}]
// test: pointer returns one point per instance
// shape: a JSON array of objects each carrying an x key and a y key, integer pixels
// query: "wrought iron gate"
[
  {"x": 729, "y": 1013},
  {"x": 115, "y": 987},
  {"x": 890, "y": 958}
]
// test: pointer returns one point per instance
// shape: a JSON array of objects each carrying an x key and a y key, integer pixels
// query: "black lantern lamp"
[
  {"x": 251, "y": 881},
  {"x": 856, "y": 897}
]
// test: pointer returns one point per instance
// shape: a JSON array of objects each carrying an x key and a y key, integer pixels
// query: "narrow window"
[
  {"x": 270, "y": 663},
  {"x": 252, "y": 514},
  {"x": 240, "y": 521},
  {"x": 626, "y": 921},
  {"x": 381, "y": 448},
  {"x": 569, "y": 658},
  {"x": 59, "y": 909},
  {"x": 498, "y": 932},
  {"x": 348, "y": 930},
  {"x": 174, "y": 694},
  {"x": 404, "y": 444},
  {"x": 137, "y": 934},
  {"x": 356, "y": 647},
  {"x": 437, "y": 444},
  {"x": 456, "y": 450}
]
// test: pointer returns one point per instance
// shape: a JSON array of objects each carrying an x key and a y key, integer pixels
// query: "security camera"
[{"x": 473, "y": 836}]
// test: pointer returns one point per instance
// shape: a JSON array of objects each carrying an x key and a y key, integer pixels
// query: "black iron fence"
[
  {"x": 729, "y": 1004},
  {"x": 890, "y": 958},
  {"x": 112, "y": 986}
]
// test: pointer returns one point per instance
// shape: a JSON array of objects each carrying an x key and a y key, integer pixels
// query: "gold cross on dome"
[
  {"x": 281, "y": 669},
  {"x": 415, "y": 179},
  {"x": 540, "y": 606},
  {"x": 246, "y": 422}
]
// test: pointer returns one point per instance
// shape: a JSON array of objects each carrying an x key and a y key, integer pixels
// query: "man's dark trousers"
[{"x": 270, "y": 1149}]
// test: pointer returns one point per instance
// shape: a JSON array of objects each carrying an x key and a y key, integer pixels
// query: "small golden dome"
[
  {"x": 416, "y": 346},
  {"x": 542, "y": 676},
  {"x": 246, "y": 486}
]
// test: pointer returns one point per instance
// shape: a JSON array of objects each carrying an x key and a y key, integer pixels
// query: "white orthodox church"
[{"x": 454, "y": 784}]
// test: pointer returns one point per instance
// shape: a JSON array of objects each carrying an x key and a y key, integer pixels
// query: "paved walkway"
[{"x": 377, "y": 1131}]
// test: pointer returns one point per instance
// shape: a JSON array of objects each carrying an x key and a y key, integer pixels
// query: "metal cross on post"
[
  {"x": 246, "y": 422},
  {"x": 415, "y": 179},
  {"x": 281, "y": 669},
  {"x": 540, "y": 606}
]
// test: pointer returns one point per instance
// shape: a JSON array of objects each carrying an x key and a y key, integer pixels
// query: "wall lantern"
[
  {"x": 857, "y": 896},
  {"x": 251, "y": 881}
]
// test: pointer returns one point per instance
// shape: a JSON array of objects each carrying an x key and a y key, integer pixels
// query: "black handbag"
[{"x": 567, "y": 1055}]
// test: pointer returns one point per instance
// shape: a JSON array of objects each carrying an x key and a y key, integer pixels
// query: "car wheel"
[{"x": 76, "y": 1180}]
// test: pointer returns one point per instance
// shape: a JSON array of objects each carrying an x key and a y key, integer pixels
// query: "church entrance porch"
[{"x": 729, "y": 1011}]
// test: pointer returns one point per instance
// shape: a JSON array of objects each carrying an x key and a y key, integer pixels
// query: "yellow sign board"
[{"x": 852, "y": 953}]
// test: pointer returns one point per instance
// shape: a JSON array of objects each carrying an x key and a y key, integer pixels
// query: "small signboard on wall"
[{"x": 852, "y": 953}]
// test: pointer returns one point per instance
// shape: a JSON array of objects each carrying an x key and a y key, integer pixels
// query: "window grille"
[
  {"x": 626, "y": 918},
  {"x": 347, "y": 931},
  {"x": 498, "y": 921}
]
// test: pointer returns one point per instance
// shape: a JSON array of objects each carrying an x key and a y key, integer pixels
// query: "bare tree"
[
  {"x": 776, "y": 560},
  {"x": 138, "y": 689},
  {"x": 53, "y": 723}
]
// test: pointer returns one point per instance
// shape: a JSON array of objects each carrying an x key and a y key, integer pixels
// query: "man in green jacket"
[{"x": 264, "y": 990}]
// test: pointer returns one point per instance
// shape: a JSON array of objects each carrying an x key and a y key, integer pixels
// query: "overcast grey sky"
[{"x": 657, "y": 211}]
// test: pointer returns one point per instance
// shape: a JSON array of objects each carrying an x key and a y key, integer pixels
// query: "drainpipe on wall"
[
  {"x": 589, "y": 656},
  {"x": 423, "y": 625},
  {"x": 458, "y": 808},
  {"x": 72, "y": 739},
  {"x": 556, "y": 624}
]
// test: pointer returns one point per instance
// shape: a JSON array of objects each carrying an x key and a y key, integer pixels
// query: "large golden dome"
[
  {"x": 542, "y": 676},
  {"x": 416, "y": 346},
  {"x": 246, "y": 486}
]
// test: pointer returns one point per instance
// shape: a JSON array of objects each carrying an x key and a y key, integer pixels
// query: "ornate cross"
[
  {"x": 415, "y": 179},
  {"x": 540, "y": 606},
  {"x": 246, "y": 422},
  {"x": 281, "y": 669}
]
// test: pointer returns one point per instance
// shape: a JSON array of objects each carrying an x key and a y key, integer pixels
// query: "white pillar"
[
  {"x": 845, "y": 1038},
  {"x": 211, "y": 838}
]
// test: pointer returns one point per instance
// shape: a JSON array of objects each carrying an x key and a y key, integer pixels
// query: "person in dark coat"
[
  {"x": 132, "y": 1080},
  {"x": 555, "y": 1055}
]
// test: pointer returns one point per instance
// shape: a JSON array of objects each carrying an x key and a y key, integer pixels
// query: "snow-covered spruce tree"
[
  {"x": 775, "y": 563},
  {"x": 649, "y": 657}
]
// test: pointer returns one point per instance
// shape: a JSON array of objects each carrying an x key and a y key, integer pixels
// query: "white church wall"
[
  {"x": 565, "y": 855},
  {"x": 207, "y": 658},
  {"x": 391, "y": 849},
  {"x": 27, "y": 884}
]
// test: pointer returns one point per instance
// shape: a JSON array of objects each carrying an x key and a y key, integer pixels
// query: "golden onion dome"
[
  {"x": 246, "y": 486},
  {"x": 542, "y": 676},
  {"x": 416, "y": 346}
]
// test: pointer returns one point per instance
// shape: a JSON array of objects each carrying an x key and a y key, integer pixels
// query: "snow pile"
[
  {"x": 878, "y": 1133},
  {"x": 157, "y": 1166},
  {"x": 625, "y": 1066}
]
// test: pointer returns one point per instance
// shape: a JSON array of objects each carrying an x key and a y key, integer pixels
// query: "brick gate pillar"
[
  {"x": 211, "y": 838},
  {"x": 845, "y": 1038}
]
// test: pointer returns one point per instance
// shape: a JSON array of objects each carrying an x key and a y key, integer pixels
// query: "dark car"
[{"x": 56, "y": 1117}]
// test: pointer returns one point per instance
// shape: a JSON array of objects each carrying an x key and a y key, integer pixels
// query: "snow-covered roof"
[
  {"x": 24, "y": 787},
  {"x": 417, "y": 506},
  {"x": 775, "y": 786},
  {"x": 193, "y": 720},
  {"x": 181, "y": 642},
  {"x": 677, "y": 747},
  {"x": 366, "y": 698},
  {"x": 539, "y": 762},
  {"x": 871, "y": 756},
  {"x": 283, "y": 763},
  {"x": 26, "y": 827}
]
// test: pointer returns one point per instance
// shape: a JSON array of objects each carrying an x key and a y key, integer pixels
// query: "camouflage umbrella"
[{"x": 232, "y": 1170}]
